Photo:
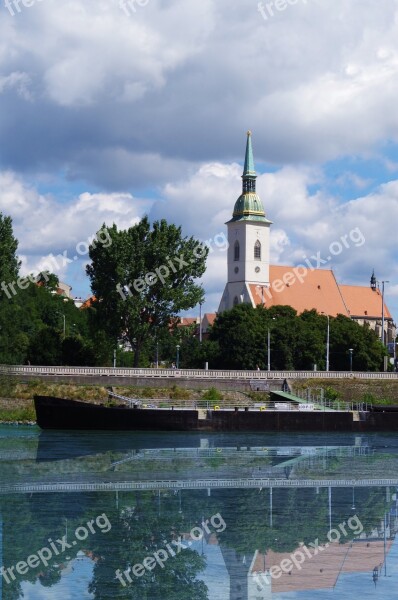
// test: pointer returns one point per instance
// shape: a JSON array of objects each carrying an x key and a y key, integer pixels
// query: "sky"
[{"x": 113, "y": 109}]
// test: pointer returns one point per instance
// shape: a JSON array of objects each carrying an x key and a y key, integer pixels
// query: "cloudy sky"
[{"x": 111, "y": 110}]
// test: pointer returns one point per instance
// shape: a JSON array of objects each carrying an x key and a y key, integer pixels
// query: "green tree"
[
  {"x": 194, "y": 354},
  {"x": 45, "y": 347},
  {"x": 241, "y": 335},
  {"x": 143, "y": 279},
  {"x": 77, "y": 352},
  {"x": 368, "y": 351},
  {"x": 9, "y": 263},
  {"x": 48, "y": 279},
  {"x": 296, "y": 341}
]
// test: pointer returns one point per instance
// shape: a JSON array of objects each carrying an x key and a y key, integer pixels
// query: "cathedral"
[{"x": 252, "y": 279}]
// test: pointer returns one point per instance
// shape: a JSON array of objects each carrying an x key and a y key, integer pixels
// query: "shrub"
[
  {"x": 179, "y": 393},
  {"x": 212, "y": 394},
  {"x": 148, "y": 393},
  {"x": 331, "y": 394}
]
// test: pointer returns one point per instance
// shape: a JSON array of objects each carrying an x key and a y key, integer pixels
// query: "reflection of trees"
[
  {"x": 137, "y": 532},
  {"x": 50, "y": 576},
  {"x": 298, "y": 515},
  {"x": 28, "y": 522}
]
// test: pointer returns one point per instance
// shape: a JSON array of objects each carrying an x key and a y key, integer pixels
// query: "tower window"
[
  {"x": 257, "y": 251},
  {"x": 236, "y": 250},
  {"x": 249, "y": 185},
  {"x": 236, "y": 301}
]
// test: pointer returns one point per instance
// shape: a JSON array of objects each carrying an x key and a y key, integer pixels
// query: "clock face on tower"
[
  {"x": 236, "y": 269},
  {"x": 257, "y": 269}
]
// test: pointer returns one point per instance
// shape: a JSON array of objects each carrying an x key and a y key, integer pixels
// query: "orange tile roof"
[
  {"x": 88, "y": 303},
  {"x": 211, "y": 317},
  {"x": 185, "y": 321},
  {"x": 362, "y": 301},
  {"x": 301, "y": 289}
]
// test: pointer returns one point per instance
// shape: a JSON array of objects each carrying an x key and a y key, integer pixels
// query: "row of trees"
[
  {"x": 142, "y": 279},
  {"x": 296, "y": 341}
]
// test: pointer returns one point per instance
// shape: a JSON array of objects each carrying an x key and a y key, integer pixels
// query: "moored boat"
[{"x": 61, "y": 413}]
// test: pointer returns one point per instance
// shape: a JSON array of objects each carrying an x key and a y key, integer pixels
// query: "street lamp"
[
  {"x": 178, "y": 356},
  {"x": 156, "y": 348},
  {"x": 382, "y": 312},
  {"x": 327, "y": 341},
  {"x": 200, "y": 322},
  {"x": 351, "y": 350},
  {"x": 269, "y": 347}
]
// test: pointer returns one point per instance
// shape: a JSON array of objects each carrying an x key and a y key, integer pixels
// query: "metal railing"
[
  {"x": 250, "y": 376},
  {"x": 193, "y": 484}
]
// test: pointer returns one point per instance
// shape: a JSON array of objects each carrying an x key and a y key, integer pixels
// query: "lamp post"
[
  {"x": 351, "y": 350},
  {"x": 200, "y": 322},
  {"x": 156, "y": 349},
  {"x": 385, "y": 546},
  {"x": 64, "y": 325},
  {"x": 269, "y": 347},
  {"x": 327, "y": 341},
  {"x": 330, "y": 508},
  {"x": 382, "y": 312},
  {"x": 178, "y": 356}
]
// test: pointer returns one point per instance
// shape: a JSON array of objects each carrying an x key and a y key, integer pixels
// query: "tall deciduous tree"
[
  {"x": 9, "y": 263},
  {"x": 144, "y": 278}
]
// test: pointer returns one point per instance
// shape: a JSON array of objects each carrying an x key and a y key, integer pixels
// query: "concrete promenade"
[{"x": 185, "y": 378}]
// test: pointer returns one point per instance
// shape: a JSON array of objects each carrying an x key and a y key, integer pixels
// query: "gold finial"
[{"x": 249, "y": 132}]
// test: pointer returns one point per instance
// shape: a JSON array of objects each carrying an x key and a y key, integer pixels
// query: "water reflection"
[{"x": 242, "y": 517}]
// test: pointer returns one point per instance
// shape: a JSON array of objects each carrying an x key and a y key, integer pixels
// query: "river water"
[{"x": 108, "y": 515}]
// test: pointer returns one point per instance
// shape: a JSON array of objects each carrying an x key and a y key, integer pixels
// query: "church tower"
[{"x": 248, "y": 237}]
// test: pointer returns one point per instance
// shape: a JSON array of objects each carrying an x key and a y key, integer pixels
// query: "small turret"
[{"x": 373, "y": 282}]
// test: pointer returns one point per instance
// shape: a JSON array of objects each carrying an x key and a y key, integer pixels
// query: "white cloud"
[
  {"x": 315, "y": 82},
  {"x": 159, "y": 100},
  {"x": 18, "y": 80},
  {"x": 46, "y": 226},
  {"x": 85, "y": 51}
]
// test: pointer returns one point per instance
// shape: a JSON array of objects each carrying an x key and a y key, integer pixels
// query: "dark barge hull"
[{"x": 60, "y": 413}]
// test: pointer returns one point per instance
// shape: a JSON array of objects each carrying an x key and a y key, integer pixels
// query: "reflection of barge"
[{"x": 59, "y": 413}]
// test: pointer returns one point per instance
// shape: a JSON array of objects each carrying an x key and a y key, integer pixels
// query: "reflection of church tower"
[
  {"x": 248, "y": 237},
  {"x": 1, "y": 552},
  {"x": 245, "y": 584}
]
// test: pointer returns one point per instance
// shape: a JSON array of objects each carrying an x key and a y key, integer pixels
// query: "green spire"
[
  {"x": 248, "y": 206},
  {"x": 249, "y": 170}
]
